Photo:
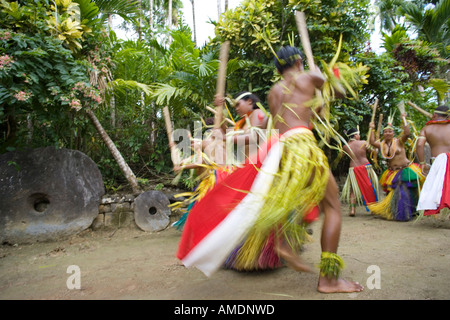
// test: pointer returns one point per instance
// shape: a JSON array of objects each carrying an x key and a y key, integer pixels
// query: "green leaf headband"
[
  {"x": 290, "y": 59},
  {"x": 444, "y": 113},
  {"x": 354, "y": 133}
]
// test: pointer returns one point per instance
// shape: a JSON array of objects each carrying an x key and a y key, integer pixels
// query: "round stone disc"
[{"x": 151, "y": 211}]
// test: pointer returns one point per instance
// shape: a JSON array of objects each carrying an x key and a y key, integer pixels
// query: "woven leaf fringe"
[
  {"x": 297, "y": 188},
  {"x": 331, "y": 265}
]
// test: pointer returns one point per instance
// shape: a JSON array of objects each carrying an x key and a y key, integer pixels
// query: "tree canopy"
[{"x": 59, "y": 59}]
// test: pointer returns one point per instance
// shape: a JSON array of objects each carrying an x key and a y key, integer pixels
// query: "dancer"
[
  {"x": 246, "y": 133},
  {"x": 361, "y": 186},
  {"x": 435, "y": 194},
  {"x": 210, "y": 172},
  {"x": 401, "y": 180},
  {"x": 262, "y": 205}
]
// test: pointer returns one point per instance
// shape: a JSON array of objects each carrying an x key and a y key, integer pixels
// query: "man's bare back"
[
  {"x": 288, "y": 97},
  {"x": 438, "y": 137}
]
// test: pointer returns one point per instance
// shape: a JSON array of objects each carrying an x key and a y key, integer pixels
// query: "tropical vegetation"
[{"x": 67, "y": 80}]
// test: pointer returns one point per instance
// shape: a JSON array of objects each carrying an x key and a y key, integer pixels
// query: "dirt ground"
[{"x": 413, "y": 260}]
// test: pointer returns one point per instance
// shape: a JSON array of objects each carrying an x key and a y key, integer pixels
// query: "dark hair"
[
  {"x": 351, "y": 132},
  {"x": 249, "y": 96},
  {"x": 442, "y": 111},
  {"x": 209, "y": 121},
  {"x": 286, "y": 57}
]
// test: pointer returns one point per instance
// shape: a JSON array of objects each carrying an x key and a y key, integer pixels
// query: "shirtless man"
[
  {"x": 286, "y": 102},
  {"x": 362, "y": 181},
  {"x": 436, "y": 132}
]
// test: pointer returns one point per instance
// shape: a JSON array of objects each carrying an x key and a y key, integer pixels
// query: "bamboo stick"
[
  {"x": 401, "y": 107},
  {"x": 380, "y": 122},
  {"x": 304, "y": 37},
  {"x": 173, "y": 153},
  {"x": 220, "y": 89},
  {"x": 374, "y": 111},
  {"x": 425, "y": 113}
]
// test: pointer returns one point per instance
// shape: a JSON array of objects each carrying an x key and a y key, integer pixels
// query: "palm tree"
[
  {"x": 219, "y": 8},
  {"x": 193, "y": 21},
  {"x": 129, "y": 175},
  {"x": 431, "y": 23},
  {"x": 387, "y": 12},
  {"x": 89, "y": 12},
  {"x": 190, "y": 76}
]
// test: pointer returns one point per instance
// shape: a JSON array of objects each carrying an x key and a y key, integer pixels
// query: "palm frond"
[
  {"x": 120, "y": 85},
  {"x": 126, "y": 9},
  {"x": 88, "y": 9},
  {"x": 441, "y": 86},
  {"x": 165, "y": 92}
]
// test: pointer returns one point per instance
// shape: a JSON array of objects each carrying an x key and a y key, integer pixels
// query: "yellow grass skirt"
[{"x": 298, "y": 187}]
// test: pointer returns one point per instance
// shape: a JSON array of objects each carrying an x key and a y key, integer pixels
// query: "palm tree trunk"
[
  {"x": 129, "y": 175},
  {"x": 150, "y": 18},
  {"x": 169, "y": 14},
  {"x": 193, "y": 21},
  {"x": 219, "y": 11},
  {"x": 169, "y": 17},
  {"x": 140, "y": 21}
]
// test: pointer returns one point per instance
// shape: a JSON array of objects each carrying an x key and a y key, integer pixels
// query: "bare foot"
[
  {"x": 292, "y": 260},
  {"x": 333, "y": 285}
]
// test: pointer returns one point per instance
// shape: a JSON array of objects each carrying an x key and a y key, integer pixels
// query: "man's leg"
[{"x": 331, "y": 229}]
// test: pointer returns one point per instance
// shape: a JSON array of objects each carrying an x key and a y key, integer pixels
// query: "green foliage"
[
  {"x": 54, "y": 62},
  {"x": 188, "y": 76},
  {"x": 418, "y": 59},
  {"x": 430, "y": 22},
  {"x": 425, "y": 58},
  {"x": 43, "y": 82},
  {"x": 265, "y": 26}
]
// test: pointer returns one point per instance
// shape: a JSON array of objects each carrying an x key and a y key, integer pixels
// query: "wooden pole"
[
  {"x": 173, "y": 153},
  {"x": 220, "y": 89},
  {"x": 380, "y": 122},
  {"x": 374, "y": 111},
  {"x": 425, "y": 113},
  {"x": 304, "y": 37},
  {"x": 401, "y": 107}
]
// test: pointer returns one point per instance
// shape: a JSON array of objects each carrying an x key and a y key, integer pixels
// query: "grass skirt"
[
  {"x": 402, "y": 188},
  {"x": 296, "y": 191},
  {"x": 360, "y": 188},
  {"x": 206, "y": 184}
]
